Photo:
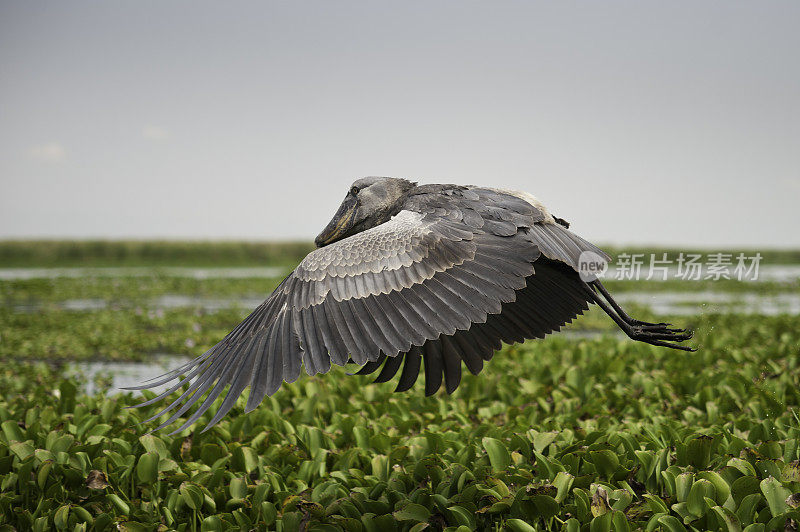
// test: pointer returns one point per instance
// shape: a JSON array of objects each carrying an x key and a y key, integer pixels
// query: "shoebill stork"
[{"x": 406, "y": 279}]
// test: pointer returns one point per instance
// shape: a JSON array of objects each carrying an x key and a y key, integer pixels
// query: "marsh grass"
[
  {"x": 150, "y": 253},
  {"x": 98, "y": 253},
  {"x": 560, "y": 434},
  {"x": 570, "y": 433}
]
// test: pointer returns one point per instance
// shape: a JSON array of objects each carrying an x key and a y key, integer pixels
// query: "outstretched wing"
[
  {"x": 452, "y": 259},
  {"x": 552, "y": 297}
]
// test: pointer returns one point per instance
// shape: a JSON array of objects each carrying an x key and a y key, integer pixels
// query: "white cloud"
[
  {"x": 155, "y": 133},
  {"x": 51, "y": 152}
]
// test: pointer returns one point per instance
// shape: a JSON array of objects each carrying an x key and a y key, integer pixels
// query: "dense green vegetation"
[
  {"x": 133, "y": 290},
  {"x": 61, "y": 253},
  {"x": 569, "y": 433},
  {"x": 558, "y": 434}
]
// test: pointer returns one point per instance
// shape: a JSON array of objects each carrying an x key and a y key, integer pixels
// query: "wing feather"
[
  {"x": 407, "y": 328},
  {"x": 332, "y": 341},
  {"x": 363, "y": 349},
  {"x": 410, "y": 372},
  {"x": 452, "y": 364},
  {"x": 434, "y": 366},
  {"x": 384, "y": 325},
  {"x": 469, "y": 351},
  {"x": 376, "y": 331},
  {"x": 371, "y": 366},
  {"x": 273, "y": 369},
  {"x": 389, "y": 368},
  {"x": 292, "y": 354}
]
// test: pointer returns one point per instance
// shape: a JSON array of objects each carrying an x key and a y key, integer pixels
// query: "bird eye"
[{"x": 354, "y": 190}]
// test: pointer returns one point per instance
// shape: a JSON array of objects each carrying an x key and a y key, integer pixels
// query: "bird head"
[{"x": 369, "y": 202}]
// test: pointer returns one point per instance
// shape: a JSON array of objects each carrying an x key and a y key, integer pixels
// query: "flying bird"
[{"x": 405, "y": 279}]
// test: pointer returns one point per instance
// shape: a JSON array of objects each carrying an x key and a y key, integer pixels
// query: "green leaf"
[
  {"x": 121, "y": 506},
  {"x": 728, "y": 519},
  {"x": 245, "y": 459},
  {"x": 747, "y": 507},
  {"x": 695, "y": 502},
  {"x": 11, "y": 431},
  {"x": 723, "y": 490},
  {"x": 61, "y": 517},
  {"x": 563, "y": 483},
  {"x": 619, "y": 523},
  {"x": 541, "y": 440},
  {"x": 683, "y": 484},
  {"x": 211, "y": 452},
  {"x": 83, "y": 514},
  {"x": 268, "y": 512},
  {"x": 22, "y": 449},
  {"x": 154, "y": 444},
  {"x": 606, "y": 462},
  {"x": 413, "y": 512},
  {"x": 380, "y": 466},
  {"x": 547, "y": 506},
  {"x": 499, "y": 456},
  {"x": 518, "y": 525},
  {"x": 682, "y": 509},
  {"x": 776, "y": 496},
  {"x": 238, "y": 488},
  {"x": 61, "y": 443},
  {"x": 623, "y": 499},
  {"x": 147, "y": 468},
  {"x": 657, "y": 506},
  {"x": 43, "y": 474},
  {"x": 192, "y": 495},
  {"x": 463, "y": 516},
  {"x": 698, "y": 451},
  {"x": 745, "y": 485},
  {"x": 601, "y": 523},
  {"x": 671, "y": 523},
  {"x": 742, "y": 465},
  {"x": 211, "y": 523},
  {"x": 67, "y": 390}
]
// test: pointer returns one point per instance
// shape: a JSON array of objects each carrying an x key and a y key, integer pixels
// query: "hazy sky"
[{"x": 639, "y": 122}]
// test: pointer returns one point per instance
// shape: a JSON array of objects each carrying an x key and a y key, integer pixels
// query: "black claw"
[
  {"x": 661, "y": 334},
  {"x": 648, "y": 324},
  {"x": 670, "y": 345},
  {"x": 660, "y": 327}
]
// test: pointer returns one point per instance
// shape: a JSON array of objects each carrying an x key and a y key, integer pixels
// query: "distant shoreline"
[{"x": 196, "y": 253}]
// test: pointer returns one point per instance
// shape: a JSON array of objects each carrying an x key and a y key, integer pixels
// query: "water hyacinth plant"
[
  {"x": 592, "y": 434},
  {"x": 584, "y": 431}
]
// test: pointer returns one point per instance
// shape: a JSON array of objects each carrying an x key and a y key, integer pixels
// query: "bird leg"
[
  {"x": 660, "y": 334},
  {"x": 624, "y": 315}
]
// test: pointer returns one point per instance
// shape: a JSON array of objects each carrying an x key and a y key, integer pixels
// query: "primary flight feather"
[{"x": 406, "y": 278}]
